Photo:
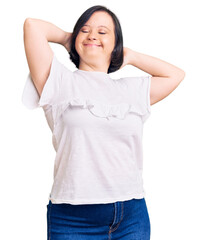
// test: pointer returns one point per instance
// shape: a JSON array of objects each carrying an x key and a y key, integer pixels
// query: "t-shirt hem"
[{"x": 96, "y": 201}]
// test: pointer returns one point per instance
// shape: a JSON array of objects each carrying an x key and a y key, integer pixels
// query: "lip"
[{"x": 91, "y": 45}]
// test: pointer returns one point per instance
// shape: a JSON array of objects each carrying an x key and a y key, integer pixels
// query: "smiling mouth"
[{"x": 92, "y": 45}]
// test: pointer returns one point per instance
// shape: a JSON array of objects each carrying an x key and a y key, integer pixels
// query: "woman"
[{"x": 96, "y": 123}]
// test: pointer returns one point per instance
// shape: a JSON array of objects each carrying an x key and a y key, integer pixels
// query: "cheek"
[
  {"x": 110, "y": 43},
  {"x": 77, "y": 43},
  {"x": 79, "y": 38}
]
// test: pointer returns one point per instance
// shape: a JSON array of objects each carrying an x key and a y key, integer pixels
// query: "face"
[{"x": 96, "y": 40}]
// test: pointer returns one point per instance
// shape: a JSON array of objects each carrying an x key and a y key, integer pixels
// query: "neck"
[{"x": 93, "y": 67}]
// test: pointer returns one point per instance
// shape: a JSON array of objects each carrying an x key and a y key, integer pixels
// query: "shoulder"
[{"x": 135, "y": 81}]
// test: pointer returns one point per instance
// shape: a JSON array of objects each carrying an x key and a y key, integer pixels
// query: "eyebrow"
[{"x": 98, "y": 26}]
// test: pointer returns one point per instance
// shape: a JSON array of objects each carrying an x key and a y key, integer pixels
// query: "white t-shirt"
[{"x": 97, "y": 125}]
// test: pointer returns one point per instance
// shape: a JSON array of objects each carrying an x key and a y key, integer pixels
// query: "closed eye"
[{"x": 84, "y": 31}]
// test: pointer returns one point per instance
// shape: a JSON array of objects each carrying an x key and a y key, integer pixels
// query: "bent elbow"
[
  {"x": 183, "y": 75},
  {"x": 180, "y": 75}
]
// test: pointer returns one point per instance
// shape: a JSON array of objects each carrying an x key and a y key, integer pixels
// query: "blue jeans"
[{"x": 124, "y": 220}]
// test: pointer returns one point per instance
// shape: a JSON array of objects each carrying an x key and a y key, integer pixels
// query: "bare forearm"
[
  {"x": 154, "y": 66},
  {"x": 50, "y": 31}
]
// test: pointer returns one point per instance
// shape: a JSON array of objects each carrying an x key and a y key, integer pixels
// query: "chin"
[{"x": 92, "y": 54}]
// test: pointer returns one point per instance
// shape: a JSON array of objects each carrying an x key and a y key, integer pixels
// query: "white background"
[{"x": 174, "y": 138}]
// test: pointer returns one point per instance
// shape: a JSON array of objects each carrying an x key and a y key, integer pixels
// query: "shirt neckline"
[{"x": 93, "y": 72}]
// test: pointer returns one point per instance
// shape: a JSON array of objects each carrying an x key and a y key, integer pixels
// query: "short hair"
[{"x": 117, "y": 53}]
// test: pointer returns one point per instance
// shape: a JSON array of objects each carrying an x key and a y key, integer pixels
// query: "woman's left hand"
[{"x": 127, "y": 54}]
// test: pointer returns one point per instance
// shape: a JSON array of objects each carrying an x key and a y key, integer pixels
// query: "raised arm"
[
  {"x": 37, "y": 34},
  {"x": 165, "y": 76}
]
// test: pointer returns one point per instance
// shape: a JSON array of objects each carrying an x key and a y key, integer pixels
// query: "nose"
[{"x": 92, "y": 35}]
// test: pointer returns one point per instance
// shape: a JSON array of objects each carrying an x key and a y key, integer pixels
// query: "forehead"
[{"x": 100, "y": 18}]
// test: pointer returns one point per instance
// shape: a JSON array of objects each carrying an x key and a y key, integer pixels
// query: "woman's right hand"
[{"x": 67, "y": 42}]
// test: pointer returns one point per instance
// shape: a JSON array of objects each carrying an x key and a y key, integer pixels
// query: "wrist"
[
  {"x": 66, "y": 42},
  {"x": 131, "y": 57},
  {"x": 65, "y": 38}
]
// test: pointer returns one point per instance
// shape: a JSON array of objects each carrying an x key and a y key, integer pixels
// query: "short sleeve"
[
  {"x": 51, "y": 89},
  {"x": 146, "y": 84},
  {"x": 141, "y": 93}
]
